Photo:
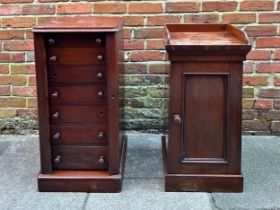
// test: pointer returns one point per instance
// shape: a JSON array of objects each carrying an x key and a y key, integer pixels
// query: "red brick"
[
  {"x": 239, "y": 18},
  {"x": 7, "y": 113},
  {"x": 253, "y": 5},
  {"x": 107, "y": 7},
  {"x": 127, "y": 33},
  {"x": 201, "y": 18},
  {"x": 277, "y": 80},
  {"x": 4, "y": 90},
  {"x": 255, "y": 80},
  {"x": 147, "y": 56},
  {"x": 44, "y": 1},
  {"x": 19, "y": 22},
  {"x": 159, "y": 68},
  {"x": 133, "y": 20},
  {"x": 182, "y": 6},
  {"x": 133, "y": 45},
  {"x": 276, "y": 104},
  {"x": 78, "y": 8},
  {"x": 269, "y": 93},
  {"x": 261, "y": 30},
  {"x": 248, "y": 67},
  {"x": 268, "y": 42},
  {"x": 12, "y": 102},
  {"x": 24, "y": 91},
  {"x": 32, "y": 80},
  {"x": 22, "y": 69},
  {"x": 16, "y": 1},
  {"x": 27, "y": 112},
  {"x": 10, "y": 10},
  {"x": 42, "y": 9},
  {"x": 259, "y": 55},
  {"x": 219, "y": 6},
  {"x": 145, "y": 8},
  {"x": 146, "y": 33},
  {"x": 155, "y": 44},
  {"x": 277, "y": 55},
  {"x": 22, "y": 45},
  {"x": 269, "y": 17},
  {"x": 4, "y": 68},
  {"x": 263, "y": 104},
  {"x": 11, "y": 34},
  {"x": 11, "y": 57},
  {"x": 31, "y": 102},
  {"x": 135, "y": 68},
  {"x": 268, "y": 68},
  {"x": 161, "y": 20}
]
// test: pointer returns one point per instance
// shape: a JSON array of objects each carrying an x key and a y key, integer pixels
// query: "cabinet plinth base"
[
  {"x": 200, "y": 182},
  {"x": 83, "y": 181}
]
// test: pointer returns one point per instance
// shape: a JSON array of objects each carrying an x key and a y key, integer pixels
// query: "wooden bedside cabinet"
[
  {"x": 203, "y": 152},
  {"x": 82, "y": 145}
]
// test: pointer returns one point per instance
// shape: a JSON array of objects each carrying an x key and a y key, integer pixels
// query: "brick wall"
[{"x": 146, "y": 72}]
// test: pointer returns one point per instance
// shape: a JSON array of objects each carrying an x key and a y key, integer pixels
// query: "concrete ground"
[{"x": 143, "y": 187}]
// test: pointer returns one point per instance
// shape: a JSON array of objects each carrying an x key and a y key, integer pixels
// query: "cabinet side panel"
[{"x": 43, "y": 106}]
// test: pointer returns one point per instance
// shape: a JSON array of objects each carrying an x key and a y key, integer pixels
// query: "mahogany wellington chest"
[
  {"x": 203, "y": 150},
  {"x": 82, "y": 145}
]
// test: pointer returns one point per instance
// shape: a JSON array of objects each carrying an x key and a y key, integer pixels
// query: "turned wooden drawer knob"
[
  {"x": 98, "y": 41},
  {"x": 55, "y": 95},
  {"x": 99, "y": 58},
  {"x": 100, "y": 94},
  {"x": 51, "y": 41},
  {"x": 57, "y": 159},
  {"x": 55, "y": 116},
  {"x": 56, "y": 136},
  {"x": 101, "y": 160},
  {"x": 177, "y": 119},
  {"x": 53, "y": 58},
  {"x": 101, "y": 135},
  {"x": 99, "y": 75}
]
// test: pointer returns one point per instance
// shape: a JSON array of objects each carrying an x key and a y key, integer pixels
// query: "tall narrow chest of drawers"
[{"x": 82, "y": 145}]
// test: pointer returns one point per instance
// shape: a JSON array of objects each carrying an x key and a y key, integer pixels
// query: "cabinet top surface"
[
  {"x": 208, "y": 35},
  {"x": 79, "y": 24}
]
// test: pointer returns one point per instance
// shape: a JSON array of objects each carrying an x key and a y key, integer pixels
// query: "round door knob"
[
  {"x": 51, "y": 41},
  {"x": 53, "y": 58},
  {"x": 99, "y": 75},
  {"x": 99, "y": 58},
  {"x": 98, "y": 41},
  {"x": 56, "y": 136},
  {"x": 177, "y": 119},
  {"x": 55, "y": 95},
  {"x": 101, "y": 135},
  {"x": 101, "y": 160},
  {"x": 57, "y": 159},
  {"x": 100, "y": 94},
  {"x": 53, "y": 76},
  {"x": 55, "y": 115}
]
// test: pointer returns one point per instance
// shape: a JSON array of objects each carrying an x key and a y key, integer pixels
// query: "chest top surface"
[
  {"x": 205, "y": 36},
  {"x": 79, "y": 24}
]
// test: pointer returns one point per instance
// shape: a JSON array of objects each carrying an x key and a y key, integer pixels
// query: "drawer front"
[
  {"x": 78, "y": 95},
  {"x": 87, "y": 134},
  {"x": 78, "y": 114},
  {"x": 95, "y": 40},
  {"x": 77, "y": 74},
  {"x": 76, "y": 56},
  {"x": 79, "y": 157}
]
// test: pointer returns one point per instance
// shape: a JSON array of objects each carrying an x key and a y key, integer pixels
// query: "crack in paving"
[{"x": 85, "y": 202}]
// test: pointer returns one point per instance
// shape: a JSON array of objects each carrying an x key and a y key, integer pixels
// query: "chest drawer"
[
  {"x": 79, "y": 157},
  {"x": 86, "y": 134},
  {"x": 78, "y": 114},
  {"x": 78, "y": 95},
  {"x": 77, "y": 74}
]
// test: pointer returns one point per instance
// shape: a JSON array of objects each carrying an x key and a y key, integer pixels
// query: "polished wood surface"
[
  {"x": 204, "y": 146},
  {"x": 79, "y": 24},
  {"x": 78, "y": 64}
]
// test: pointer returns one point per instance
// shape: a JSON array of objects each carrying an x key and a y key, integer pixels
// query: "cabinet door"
[{"x": 205, "y": 118}]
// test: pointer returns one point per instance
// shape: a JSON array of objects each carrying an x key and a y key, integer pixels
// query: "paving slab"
[
  {"x": 261, "y": 169},
  {"x": 19, "y": 165}
]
